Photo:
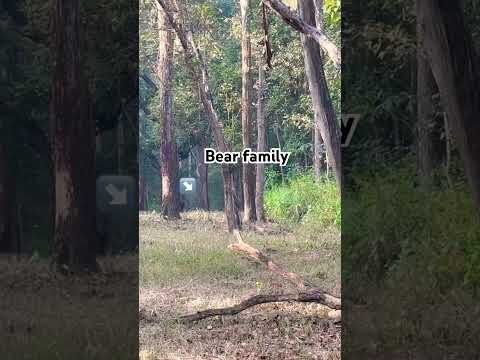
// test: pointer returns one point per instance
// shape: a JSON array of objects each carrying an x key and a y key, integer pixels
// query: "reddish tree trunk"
[
  {"x": 248, "y": 170},
  {"x": 73, "y": 133},
  {"x": 168, "y": 146}
]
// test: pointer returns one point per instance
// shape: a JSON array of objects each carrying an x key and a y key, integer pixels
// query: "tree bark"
[
  {"x": 8, "y": 219},
  {"x": 261, "y": 144},
  {"x": 168, "y": 147},
  {"x": 325, "y": 117},
  {"x": 120, "y": 147},
  {"x": 73, "y": 134},
  {"x": 202, "y": 174},
  {"x": 425, "y": 108},
  {"x": 248, "y": 170},
  {"x": 312, "y": 296},
  {"x": 279, "y": 141},
  {"x": 453, "y": 62},
  {"x": 306, "y": 28},
  {"x": 318, "y": 160},
  {"x": 306, "y": 293},
  {"x": 142, "y": 199},
  {"x": 199, "y": 74},
  {"x": 242, "y": 247}
]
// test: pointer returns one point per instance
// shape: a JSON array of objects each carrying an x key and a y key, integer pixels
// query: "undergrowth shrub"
[
  {"x": 394, "y": 231},
  {"x": 303, "y": 200}
]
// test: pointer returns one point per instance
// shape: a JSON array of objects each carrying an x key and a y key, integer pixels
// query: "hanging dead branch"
[{"x": 298, "y": 24}]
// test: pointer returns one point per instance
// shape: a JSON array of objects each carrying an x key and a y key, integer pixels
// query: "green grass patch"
[
  {"x": 196, "y": 249},
  {"x": 306, "y": 201}
]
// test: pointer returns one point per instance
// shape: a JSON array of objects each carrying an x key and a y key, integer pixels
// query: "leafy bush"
[
  {"x": 391, "y": 228},
  {"x": 303, "y": 200}
]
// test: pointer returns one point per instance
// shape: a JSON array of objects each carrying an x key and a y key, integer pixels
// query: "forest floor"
[
  {"x": 186, "y": 266},
  {"x": 45, "y": 314}
]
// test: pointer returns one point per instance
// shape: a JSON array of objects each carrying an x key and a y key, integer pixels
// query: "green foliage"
[
  {"x": 303, "y": 200},
  {"x": 289, "y": 113},
  {"x": 333, "y": 12},
  {"x": 392, "y": 227}
]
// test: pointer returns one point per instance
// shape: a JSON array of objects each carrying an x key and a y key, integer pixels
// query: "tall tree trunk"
[
  {"x": 325, "y": 117},
  {"x": 4, "y": 200},
  {"x": 8, "y": 210},
  {"x": 73, "y": 133},
  {"x": 168, "y": 147},
  {"x": 425, "y": 107},
  {"x": 202, "y": 174},
  {"x": 189, "y": 164},
  {"x": 199, "y": 74},
  {"x": 454, "y": 65},
  {"x": 279, "y": 141},
  {"x": 318, "y": 161},
  {"x": 120, "y": 147},
  {"x": 248, "y": 170},
  {"x": 261, "y": 144},
  {"x": 142, "y": 199}
]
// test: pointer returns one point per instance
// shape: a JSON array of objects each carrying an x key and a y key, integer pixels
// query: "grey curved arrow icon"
[{"x": 119, "y": 196}]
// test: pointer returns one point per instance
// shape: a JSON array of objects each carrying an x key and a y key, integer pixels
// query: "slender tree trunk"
[
  {"x": 73, "y": 133},
  {"x": 425, "y": 108},
  {"x": 168, "y": 147},
  {"x": 199, "y": 74},
  {"x": 202, "y": 174},
  {"x": 325, "y": 117},
  {"x": 142, "y": 199},
  {"x": 454, "y": 65},
  {"x": 319, "y": 16},
  {"x": 261, "y": 143},
  {"x": 279, "y": 141},
  {"x": 318, "y": 160},
  {"x": 189, "y": 164},
  {"x": 4, "y": 200},
  {"x": 248, "y": 170},
  {"x": 120, "y": 147}
]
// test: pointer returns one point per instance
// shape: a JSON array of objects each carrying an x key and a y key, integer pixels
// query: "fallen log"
[
  {"x": 243, "y": 247},
  {"x": 311, "y": 296},
  {"x": 306, "y": 293}
]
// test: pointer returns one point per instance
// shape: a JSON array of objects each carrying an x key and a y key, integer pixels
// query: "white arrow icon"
[
  {"x": 119, "y": 197},
  {"x": 188, "y": 186}
]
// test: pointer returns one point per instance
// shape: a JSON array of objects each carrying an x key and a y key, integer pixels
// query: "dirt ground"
[{"x": 185, "y": 266}]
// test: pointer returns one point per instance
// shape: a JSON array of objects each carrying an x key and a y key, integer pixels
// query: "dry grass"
[
  {"x": 185, "y": 266},
  {"x": 46, "y": 315}
]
